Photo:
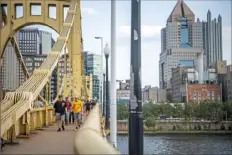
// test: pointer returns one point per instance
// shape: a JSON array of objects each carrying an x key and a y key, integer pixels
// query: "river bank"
[
  {"x": 181, "y": 127},
  {"x": 151, "y": 133}
]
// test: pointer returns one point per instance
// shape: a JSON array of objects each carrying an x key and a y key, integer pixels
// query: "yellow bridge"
[{"x": 18, "y": 117}]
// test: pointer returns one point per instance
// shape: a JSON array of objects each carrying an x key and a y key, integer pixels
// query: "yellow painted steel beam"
[{"x": 20, "y": 101}]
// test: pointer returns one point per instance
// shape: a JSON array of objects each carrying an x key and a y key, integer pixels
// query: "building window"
[
  {"x": 36, "y": 9},
  {"x": 18, "y": 11},
  {"x": 212, "y": 93},
  {"x": 195, "y": 94},
  {"x": 29, "y": 64},
  {"x": 65, "y": 11},
  {"x": 203, "y": 88}
]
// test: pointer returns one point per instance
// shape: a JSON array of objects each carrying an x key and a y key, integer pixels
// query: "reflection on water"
[{"x": 182, "y": 144}]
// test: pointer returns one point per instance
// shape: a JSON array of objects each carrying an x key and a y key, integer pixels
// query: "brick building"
[
  {"x": 200, "y": 92},
  {"x": 225, "y": 79}
]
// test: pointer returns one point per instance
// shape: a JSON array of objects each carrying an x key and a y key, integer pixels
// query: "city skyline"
[{"x": 98, "y": 14}]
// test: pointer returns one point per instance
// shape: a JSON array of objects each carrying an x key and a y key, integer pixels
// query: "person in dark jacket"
[
  {"x": 87, "y": 107},
  {"x": 60, "y": 108},
  {"x": 93, "y": 103},
  {"x": 71, "y": 116}
]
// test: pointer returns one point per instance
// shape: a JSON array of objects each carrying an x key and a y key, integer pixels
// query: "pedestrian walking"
[
  {"x": 69, "y": 110},
  {"x": 77, "y": 107},
  {"x": 87, "y": 107},
  {"x": 71, "y": 117},
  {"x": 60, "y": 109}
]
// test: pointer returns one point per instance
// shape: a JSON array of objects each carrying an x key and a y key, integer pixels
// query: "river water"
[{"x": 182, "y": 144}]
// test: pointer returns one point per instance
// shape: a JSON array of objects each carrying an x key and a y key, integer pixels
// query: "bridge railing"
[
  {"x": 32, "y": 120},
  {"x": 91, "y": 135},
  {"x": 41, "y": 117}
]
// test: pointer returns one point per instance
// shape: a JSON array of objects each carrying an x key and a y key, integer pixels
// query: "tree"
[
  {"x": 150, "y": 122},
  {"x": 227, "y": 110},
  {"x": 178, "y": 110},
  {"x": 209, "y": 110},
  {"x": 148, "y": 110},
  {"x": 122, "y": 111}
]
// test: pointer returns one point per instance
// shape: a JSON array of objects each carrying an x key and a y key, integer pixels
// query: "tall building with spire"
[
  {"x": 212, "y": 39},
  {"x": 181, "y": 40}
]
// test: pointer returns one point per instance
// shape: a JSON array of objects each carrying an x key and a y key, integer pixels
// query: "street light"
[
  {"x": 102, "y": 57},
  {"x": 107, "y": 53},
  {"x": 135, "y": 107},
  {"x": 113, "y": 104},
  {"x": 104, "y": 95}
]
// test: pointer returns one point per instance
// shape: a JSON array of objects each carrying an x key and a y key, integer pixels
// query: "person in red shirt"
[{"x": 69, "y": 110}]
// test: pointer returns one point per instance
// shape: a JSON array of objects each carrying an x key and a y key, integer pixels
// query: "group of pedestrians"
[{"x": 70, "y": 112}]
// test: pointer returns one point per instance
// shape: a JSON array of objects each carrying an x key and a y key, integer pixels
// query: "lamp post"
[
  {"x": 104, "y": 94},
  {"x": 135, "y": 107},
  {"x": 101, "y": 83},
  {"x": 113, "y": 104},
  {"x": 107, "y": 53}
]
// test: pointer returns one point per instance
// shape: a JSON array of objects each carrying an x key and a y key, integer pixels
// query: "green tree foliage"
[
  {"x": 207, "y": 110},
  {"x": 150, "y": 122},
  {"x": 122, "y": 111}
]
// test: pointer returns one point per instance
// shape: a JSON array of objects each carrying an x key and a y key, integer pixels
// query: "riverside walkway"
[{"x": 46, "y": 141}]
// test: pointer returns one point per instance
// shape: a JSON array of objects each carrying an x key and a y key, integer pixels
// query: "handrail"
[{"x": 90, "y": 135}]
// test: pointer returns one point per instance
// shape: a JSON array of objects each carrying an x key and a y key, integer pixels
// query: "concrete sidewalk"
[{"x": 47, "y": 141}]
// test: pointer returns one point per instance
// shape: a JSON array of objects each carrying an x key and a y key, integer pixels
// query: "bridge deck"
[{"x": 47, "y": 141}]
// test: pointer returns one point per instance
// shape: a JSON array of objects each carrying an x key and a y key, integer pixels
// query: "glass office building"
[{"x": 93, "y": 66}]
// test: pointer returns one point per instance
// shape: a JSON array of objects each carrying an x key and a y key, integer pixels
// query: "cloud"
[
  {"x": 147, "y": 31},
  {"x": 89, "y": 11}
]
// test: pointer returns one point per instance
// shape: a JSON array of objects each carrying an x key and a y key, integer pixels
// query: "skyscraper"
[
  {"x": 10, "y": 71},
  {"x": 212, "y": 39},
  {"x": 30, "y": 42},
  {"x": 181, "y": 40},
  {"x": 93, "y": 66},
  {"x": 46, "y": 41}
]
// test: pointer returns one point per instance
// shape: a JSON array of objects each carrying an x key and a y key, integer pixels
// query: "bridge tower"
[{"x": 16, "y": 107}]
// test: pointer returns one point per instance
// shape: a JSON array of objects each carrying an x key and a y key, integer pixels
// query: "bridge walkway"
[{"x": 46, "y": 141}]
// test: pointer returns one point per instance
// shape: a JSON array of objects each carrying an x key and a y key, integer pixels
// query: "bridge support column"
[
  {"x": 50, "y": 116},
  {"x": 11, "y": 134},
  {"x": 39, "y": 119},
  {"x": 27, "y": 122},
  {"x": 33, "y": 121},
  {"x": 46, "y": 122},
  {"x": 75, "y": 49}
]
